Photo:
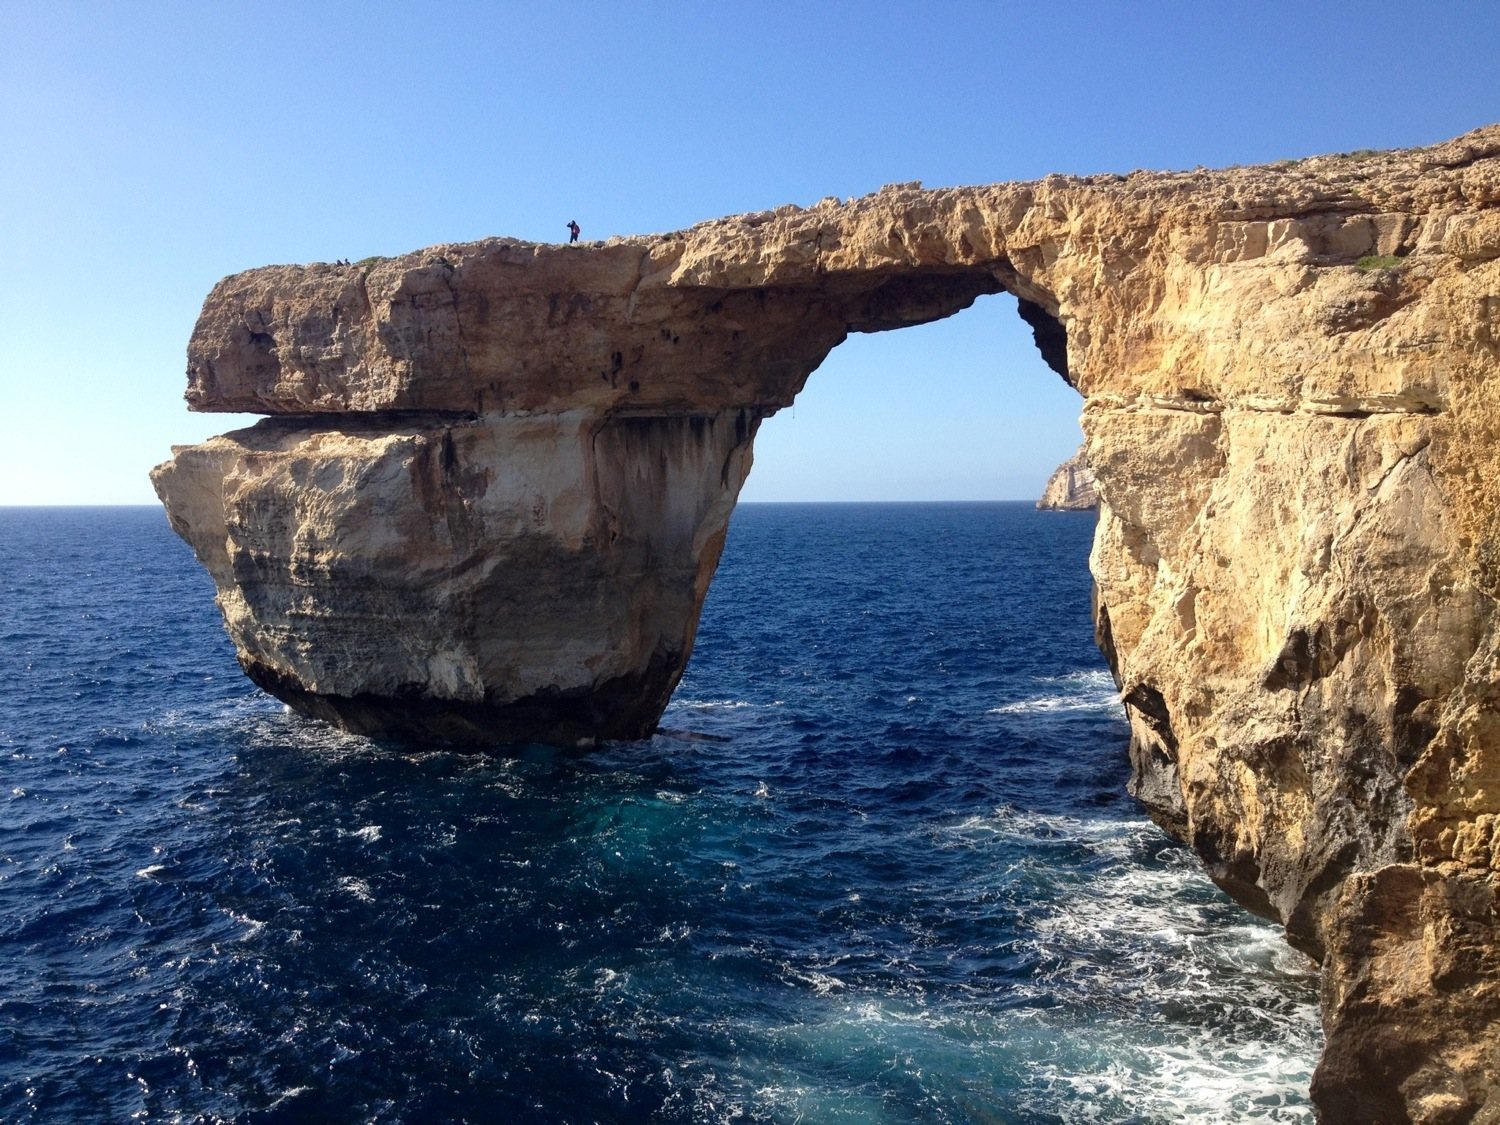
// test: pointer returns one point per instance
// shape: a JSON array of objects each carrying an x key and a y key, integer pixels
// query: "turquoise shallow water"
[{"x": 883, "y": 869}]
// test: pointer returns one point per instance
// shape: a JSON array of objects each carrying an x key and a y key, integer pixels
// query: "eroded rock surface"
[
  {"x": 497, "y": 478},
  {"x": 470, "y": 579}
]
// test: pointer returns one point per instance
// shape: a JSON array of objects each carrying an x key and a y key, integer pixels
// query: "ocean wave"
[
  {"x": 1125, "y": 920},
  {"x": 1085, "y": 691},
  {"x": 1204, "y": 1082},
  {"x": 251, "y": 927},
  {"x": 1088, "y": 679},
  {"x": 1117, "y": 832},
  {"x": 1047, "y": 704},
  {"x": 705, "y": 705},
  {"x": 359, "y": 888}
]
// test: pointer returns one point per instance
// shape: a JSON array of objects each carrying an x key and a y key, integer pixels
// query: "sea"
[{"x": 879, "y": 865}]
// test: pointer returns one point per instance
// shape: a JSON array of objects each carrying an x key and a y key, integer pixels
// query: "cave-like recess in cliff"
[{"x": 959, "y": 408}]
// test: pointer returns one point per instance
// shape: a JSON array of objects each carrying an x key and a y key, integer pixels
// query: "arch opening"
[{"x": 952, "y": 407}]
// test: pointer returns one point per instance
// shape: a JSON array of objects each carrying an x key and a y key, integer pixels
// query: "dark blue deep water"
[{"x": 898, "y": 881}]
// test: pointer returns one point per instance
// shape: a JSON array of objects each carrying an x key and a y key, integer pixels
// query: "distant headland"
[{"x": 1070, "y": 488}]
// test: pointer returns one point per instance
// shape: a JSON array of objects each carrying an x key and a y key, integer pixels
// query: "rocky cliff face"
[
  {"x": 496, "y": 480},
  {"x": 1070, "y": 488}
]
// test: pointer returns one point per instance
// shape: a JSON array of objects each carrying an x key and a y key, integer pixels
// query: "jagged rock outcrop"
[
  {"x": 1070, "y": 488},
  {"x": 497, "y": 477}
]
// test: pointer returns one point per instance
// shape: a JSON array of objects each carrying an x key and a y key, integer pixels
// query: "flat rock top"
[{"x": 738, "y": 310}]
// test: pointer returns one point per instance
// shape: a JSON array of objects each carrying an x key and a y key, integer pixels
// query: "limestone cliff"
[
  {"x": 497, "y": 478},
  {"x": 1070, "y": 488}
]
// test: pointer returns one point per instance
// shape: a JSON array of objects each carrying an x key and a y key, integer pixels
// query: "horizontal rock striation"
[
  {"x": 471, "y": 579},
  {"x": 496, "y": 479}
]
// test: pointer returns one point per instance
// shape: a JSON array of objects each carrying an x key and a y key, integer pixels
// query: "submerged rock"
[{"x": 497, "y": 476}]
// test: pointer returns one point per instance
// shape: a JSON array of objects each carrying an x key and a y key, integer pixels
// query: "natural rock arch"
[
  {"x": 496, "y": 479},
  {"x": 551, "y": 426}
]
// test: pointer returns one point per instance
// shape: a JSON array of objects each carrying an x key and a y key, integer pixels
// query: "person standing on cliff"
[{"x": 573, "y": 230}]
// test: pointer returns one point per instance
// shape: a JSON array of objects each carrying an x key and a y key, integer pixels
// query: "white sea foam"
[
  {"x": 291, "y": 1093},
  {"x": 1205, "y": 1082},
  {"x": 1056, "y": 1062},
  {"x": 1105, "y": 832},
  {"x": 253, "y": 926},
  {"x": 1088, "y": 678},
  {"x": 1093, "y": 690},
  {"x": 1052, "y": 703},
  {"x": 821, "y": 983},
  {"x": 1135, "y": 919},
  {"x": 357, "y": 887},
  {"x": 712, "y": 704}
]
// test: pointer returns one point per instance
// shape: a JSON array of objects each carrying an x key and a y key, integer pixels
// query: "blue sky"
[{"x": 149, "y": 148}]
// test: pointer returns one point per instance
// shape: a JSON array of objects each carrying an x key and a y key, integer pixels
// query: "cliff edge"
[{"x": 496, "y": 480}]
